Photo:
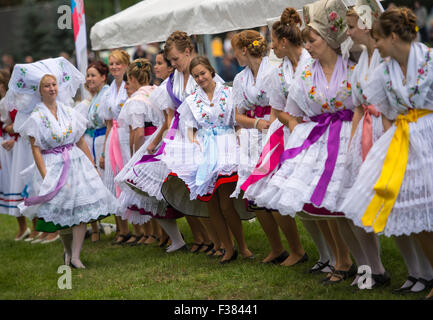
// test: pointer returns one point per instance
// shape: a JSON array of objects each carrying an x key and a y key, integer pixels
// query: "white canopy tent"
[{"x": 154, "y": 20}]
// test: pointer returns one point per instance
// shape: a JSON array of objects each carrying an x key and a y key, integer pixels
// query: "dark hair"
[
  {"x": 4, "y": 78},
  {"x": 164, "y": 56},
  {"x": 288, "y": 27},
  {"x": 101, "y": 67},
  {"x": 180, "y": 40},
  {"x": 204, "y": 61},
  {"x": 252, "y": 40},
  {"x": 401, "y": 21}
]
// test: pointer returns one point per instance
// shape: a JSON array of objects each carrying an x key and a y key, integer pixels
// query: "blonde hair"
[
  {"x": 140, "y": 69},
  {"x": 44, "y": 78},
  {"x": 120, "y": 55},
  {"x": 252, "y": 40}
]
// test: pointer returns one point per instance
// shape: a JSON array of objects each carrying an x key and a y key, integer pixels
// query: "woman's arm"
[
  {"x": 83, "y": 146},
  {"x": 289, "y": 121},
  {"x": 248, "y": 123},
  {"x": 138, "y": 139},
  {"x": 169, "y": 115},
  {"x": 109, "y": 124},
  {"x": 386, "y": 123},
  {"x": 357, "y": 116},
  {"x": 37, "y": 155}
]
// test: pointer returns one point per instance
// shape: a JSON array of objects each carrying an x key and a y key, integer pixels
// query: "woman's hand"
[
  {"x": 263, "y": 124},
  {"x": 10, "y": 129},
  {"x": 8, "y": 145},
  {"x": 102, "y": 162},
  {"x": 151, "y": 148}
]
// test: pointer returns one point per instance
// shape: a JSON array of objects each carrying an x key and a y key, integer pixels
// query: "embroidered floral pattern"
[
  {"x": 282, "y": 80},
  {"x": 421, "y": 76},
  {"x": 327, "y": 105},
  {"x": 47, "y": 124},
  {"x": 222, "y": 102}
]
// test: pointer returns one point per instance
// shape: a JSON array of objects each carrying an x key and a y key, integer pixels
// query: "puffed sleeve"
[
  {"x": 375, "y": 93},
  {"x": 237, "y": 94},
  {"x": 160, "y": 98},
  {"x": 274, "y": 89},
  {"x": 31, "y": 125},
  {"x": 104, "y": 109},
  {"x": 186, "y": 118}
]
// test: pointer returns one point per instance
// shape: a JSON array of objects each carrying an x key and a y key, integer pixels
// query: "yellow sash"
[{"x": 393, "y": 170}]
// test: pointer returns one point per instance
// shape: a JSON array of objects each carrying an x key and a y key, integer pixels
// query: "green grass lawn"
[{"x": 29, "y": 271}]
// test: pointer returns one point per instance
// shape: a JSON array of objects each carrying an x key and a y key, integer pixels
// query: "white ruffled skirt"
[
  {"x": 7, "y": 198},
  {"x": 250, "y": 141},
  {"x": 20, "y": 157},
  {"x": 141, "y": 184},
  {"x": 108, "y": 176},
  {"x": 83, "y": 198},
  {"x": 413, "y": 208},
  {"x": 292, "y": 186},
  {"x": 257, "y": 188}
]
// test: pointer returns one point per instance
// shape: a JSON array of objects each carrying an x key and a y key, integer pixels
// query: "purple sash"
[
  {"x": 171, "y": 132},
  {"x": 334, "y": 121},
  {"x": 64, "y": 150}
]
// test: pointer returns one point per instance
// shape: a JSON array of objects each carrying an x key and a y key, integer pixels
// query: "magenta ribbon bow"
[
  {"x": 275, "y": 143},
  {"x": 64, "y": 150},
  {"x": 334, "y": 121},
  {"x": 259, "y": 112}
]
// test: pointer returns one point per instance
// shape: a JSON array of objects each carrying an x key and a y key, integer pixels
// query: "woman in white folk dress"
[
  {"x": 207, "y": 161},
  {"x": 320, "y": 112},
  {"x": 393, "y": 193},
  {"x": 66, "y": 191},
  {"x": 287, "y": 45},
  {"x": 116, "y": 144}
]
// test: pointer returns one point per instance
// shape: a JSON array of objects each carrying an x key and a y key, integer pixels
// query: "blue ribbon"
[
  {"x": 210, "y": 151},
  {"x": 94, "y": 133}
]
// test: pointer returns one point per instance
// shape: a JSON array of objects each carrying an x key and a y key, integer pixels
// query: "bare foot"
[
  {"x": 151, "y": 239},
  {"x": 142, "y": 240},
  {"x": 51, "y": 236},
  {"x": 246, "y": 253}
]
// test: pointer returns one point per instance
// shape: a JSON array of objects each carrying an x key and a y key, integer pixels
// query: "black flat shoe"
[
  {"x": 381, "y": 280},
  {"x": 402, "y": 290},
  {"x": 233, "y": 257},
  {"x": 283, "y": 256},
  {"x": 303, "y": 259},
  {"x": 428, "y": 284}
]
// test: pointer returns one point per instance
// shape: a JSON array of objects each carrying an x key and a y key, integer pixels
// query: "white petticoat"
[
  {"x": 292, "y": 186},
  {"x": 183, "y": 158},
  {"x": 250, "y": 141},
  {"x": 147, "y": 177},
  {"x": 21, "y": 157},
  {"x": 7, "y": 203},
  {"x": 108, "y": 176},
  {"x": 354, "y": 156},
  {"x": 256, "y": 189},
  {"x": 413, "y": 208},
  {"x": 82, "y": 199}
]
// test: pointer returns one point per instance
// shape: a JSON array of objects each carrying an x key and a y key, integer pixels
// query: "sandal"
[
  {"x": 121, "y": 239},
  {"x": 341, "y": 275},
  {"x": 208, "y": 247},
  {"x": 99, "y": 236},
  {"x": 164, "y": 243},
  {"x": 319, "y": 266},
  {"x": 134, "y": 241},
  {"x": 198, "y": 247}
]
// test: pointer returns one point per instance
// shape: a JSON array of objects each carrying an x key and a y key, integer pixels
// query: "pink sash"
[
  {"x": 367, "y": 129},
  {"x": 115, "y": 152}
]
